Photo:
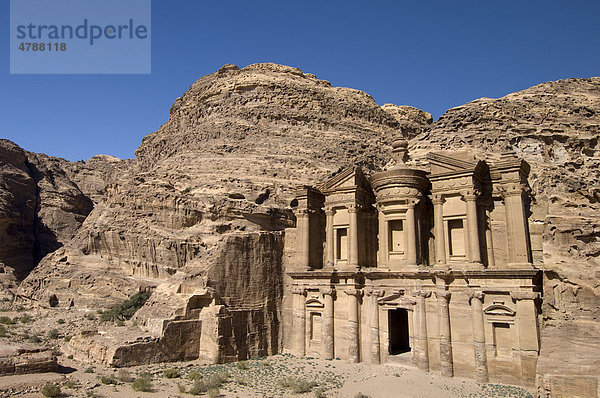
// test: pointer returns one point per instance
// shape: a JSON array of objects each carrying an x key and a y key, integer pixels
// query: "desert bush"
[
  {"x": 361, "y": 395},
  {"x": 26, "y": 319},
  {"x": 90, "y": 317},
  {"x": 34, "y": 339},
  {"x": 297, "y": 386},
  {"x": 142, "y": 384},
  {"x": 50, "y": 390},
  {"x": 53, "y": 334},
  {"x": 70, "y": 383},
  {"x": 194, "y": 375},
  {"x": 241, "y": 380},
  {"x": 214, "y": 392},
  {"x": 89, "y": 370},
  {"x": 67, "y": 338},
  {"x": 60, "y": 321},
  {"x": 181, "y": 388},
  {"x": 126, "y": 309},
  {"x": 124, "y": 376},
  {"x": 3, "y": 331},
  {"x": 4, "y": 320},
  {"x": 242, "y": 365},
  {"x": 171, "y": 373},
  {"x": 108, "y": 379},
  {"x": 198, "y": 388},
  {"x": 320, "y": 393}
]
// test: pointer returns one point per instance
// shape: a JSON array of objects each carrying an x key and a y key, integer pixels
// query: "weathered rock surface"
[
  {"x": 18, "y": 201},
  {"x": 26, "y": 358},
  {"x": 412, "y": 121}
]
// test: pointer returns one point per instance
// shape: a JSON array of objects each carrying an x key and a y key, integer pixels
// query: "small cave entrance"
[{"x": 398, "y": 327}]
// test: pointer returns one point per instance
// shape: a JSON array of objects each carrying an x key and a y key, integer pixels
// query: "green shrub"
[
  {"x": 241, "y": 380},
  {"x": 242, "y": 365},
  {"x": 89, "y": 370},
  {"x": 69, "y": 356},
  {"x": 3, "y": 331},
  {"x": 120, "y": 323},
  {"x": 214, "y": 392},
  {"x": 127, "y": 309},
  {"x": 194, "y": 375},
  {"x": 171, "y": 373},
  {"x": 70, "y": 383},
  {"x": 320, "y": 393},
  {"x": 53, "y": 334},
  {"x": 198, "y": 388},
  {"x": 124, "y": 376},
  {"x": 108, "y": 379},
  {"x": 67, "y": 338},
  {"x": 60, "y": 321},
  {"x": 4, "y": 320},
  {"x": 181, "y": 388},
  {"x": 26, "y": 319},
  {"x": 90, "y": 317},
  {"x": 34, "y": 339},
  {"x": 51, "y": 390},
  {"x": 297, "y": 386},
  {"x": 142, "y": 384}
]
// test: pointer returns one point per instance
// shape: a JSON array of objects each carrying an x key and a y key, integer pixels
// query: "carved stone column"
[
  {"x": 411, "y": 235},
  {"x": 353, "y": 325},
  {"x": 470, "y": 198},
  {"x": 329, "y": 237},
  {"x": 528, "y": 333},
  {"x": 421, "y": 345},
  {"x": 303, "y": 238},
  {"x": 375, "y": 350},
  {"x": 489, "y": 241},
  {"x": 447, "y": 366},
  {"x": 517, "y": 235},
  {"x": 481, "y": 368},
  {"x": 353, "y": 236},
  {"x": 440, "y": 243},
  {"x": 383, "y": 240},
  {"x": 328, "y": 331},
  {"x": 299, "y": 321}
]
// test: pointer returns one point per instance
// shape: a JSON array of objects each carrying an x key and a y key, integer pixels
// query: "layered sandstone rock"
[{"x": 18, "y": 359}]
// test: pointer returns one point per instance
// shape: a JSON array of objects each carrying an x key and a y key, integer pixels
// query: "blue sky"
[{"x": 430, "y": 54}]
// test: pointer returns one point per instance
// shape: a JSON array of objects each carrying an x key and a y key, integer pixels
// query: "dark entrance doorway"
[{"x": 398, "y": 327}]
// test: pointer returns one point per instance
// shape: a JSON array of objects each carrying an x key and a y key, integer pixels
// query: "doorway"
[{"x": 398, "y": 328}]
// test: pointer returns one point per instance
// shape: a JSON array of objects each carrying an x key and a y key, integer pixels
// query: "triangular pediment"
[
  {"x": 350, "y": 178},
  {"x": 446, "y": 163}
]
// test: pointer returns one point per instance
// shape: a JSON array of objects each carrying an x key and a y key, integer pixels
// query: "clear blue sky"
[{"x": 430, "y": 54}]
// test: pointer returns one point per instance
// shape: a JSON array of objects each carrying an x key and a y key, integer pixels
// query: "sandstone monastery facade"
[{"x": 432, "y": 268}]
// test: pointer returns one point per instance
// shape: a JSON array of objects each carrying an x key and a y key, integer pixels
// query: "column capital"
[
  {"x": 524, "y": 295},
  {"x": 508, "y": 190},
  {"x": 470, "y": 194},
  {"x": 438, "y": 199},
  {"x": 443, "y": 294},
  {"x": 479, "y": 295},
  {"x": 298, "y": 290},
  {"x": 374, "y": 292},
  {"x": 329, "y": 211},
  {"x": 301, "y": 212},
  {"x": 327, "y": 291},
  {"x": 422, "y": 293},
  {"x": 353, "y": 207},
  {"x": 354, "y": 292}
]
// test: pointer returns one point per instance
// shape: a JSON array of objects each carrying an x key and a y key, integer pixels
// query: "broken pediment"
[{"x": 454, "y": 163}]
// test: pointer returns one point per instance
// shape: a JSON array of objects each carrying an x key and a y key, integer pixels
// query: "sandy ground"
[{"x": 254, "y": 378}]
